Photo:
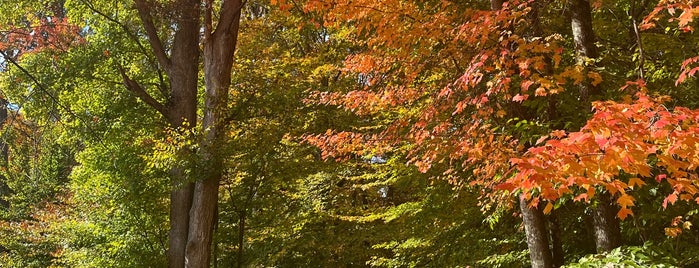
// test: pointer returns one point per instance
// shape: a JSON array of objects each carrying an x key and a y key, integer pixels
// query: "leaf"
[
  {"x": 520, "y": 98},
  {"x": 624, "y": 212},
  {"x": 548, "y": 208},
  {"x": 636, "y": 181},
  {"x": 625, "y": 200},
  {"x": 672, "y": 198}
]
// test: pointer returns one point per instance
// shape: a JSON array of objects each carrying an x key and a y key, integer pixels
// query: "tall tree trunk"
[
  {"x": 180, "y": 110},
  {"x": 537, "y": 236},
  {"x": 533, "y": 219},
  {"x": 584, "y": 38},
  {"x": 219, "y": 47},
  {"x": 183, "y": 75},
  {"x": 556, "y": 241},
  {"x": 607, "y": 232},
  {"x": 606, "y": 225}
]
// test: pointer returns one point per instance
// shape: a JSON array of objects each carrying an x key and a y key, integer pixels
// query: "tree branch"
[
  {"x": 229, "y": 10},
  {"x": 155, "y": 42},
  {"x": 141, "y": 93},
  {"x": 127, "y": 31}
]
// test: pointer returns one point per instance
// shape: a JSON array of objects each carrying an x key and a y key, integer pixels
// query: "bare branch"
[{"x": 155, "y": 42}]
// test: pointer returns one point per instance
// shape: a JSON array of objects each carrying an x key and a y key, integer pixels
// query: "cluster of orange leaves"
[
  {"x": 681, "y": 12},
  {"x": 642, "y": 139},
  {"x": 457, "y": 126}
]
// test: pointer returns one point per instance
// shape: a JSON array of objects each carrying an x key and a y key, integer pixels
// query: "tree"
[{"x": 473, "y": 113}]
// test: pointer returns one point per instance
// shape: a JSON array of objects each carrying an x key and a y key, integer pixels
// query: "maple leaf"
[
  {"x": 623, "y": 213},
  {"x": 625, "y": 200},
  {"x": 672, "y": 198},
  {"x": 636, "y": 181}
]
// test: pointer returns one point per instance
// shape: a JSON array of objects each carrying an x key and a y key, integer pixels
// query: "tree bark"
[
  {"x": 606, "y": 225},
  {"x": 180, "y": 109},
  {"x": 537, "y": 236},
  {"x": 584, "y": 39},
  {"x": 241, "y": 237},
  {"x": 556, "y": 241},
  {"x": 607, "y": 232},
  {"x": 219, "y": 47}
]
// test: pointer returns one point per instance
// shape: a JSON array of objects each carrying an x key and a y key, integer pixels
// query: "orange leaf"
[
  {"x": 548, "y": 208},
  {"x": 625, "y": 201},
  {"x": 624, "y": 212},
  {"x": 636, "y": 181}
]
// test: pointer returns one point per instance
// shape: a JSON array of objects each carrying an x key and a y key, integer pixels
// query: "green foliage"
[{"x": 647, "y": 255}]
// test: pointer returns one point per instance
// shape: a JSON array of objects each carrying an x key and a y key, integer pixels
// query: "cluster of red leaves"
[
  {"x": 681, "y": 12},
  {"x": 643, "y": 139},
  {"x": 345, "y": 145},
  {"x": 53, "y": 33}
]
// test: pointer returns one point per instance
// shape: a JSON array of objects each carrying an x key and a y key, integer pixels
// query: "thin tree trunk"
[
  {"x": 5, "y": 190},
  {"x": 537, "y": 236},
  {"x": 219, "y": 47},
  {"x": 241, "y": 237},
  {"x": 584, "y": 38},
  {"x": 556, "y": 241}
]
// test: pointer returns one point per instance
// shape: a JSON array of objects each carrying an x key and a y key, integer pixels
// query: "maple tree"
[{"x": 497, "y": 72}]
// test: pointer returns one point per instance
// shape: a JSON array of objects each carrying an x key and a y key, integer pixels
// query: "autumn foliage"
[
  {"x": 621, "y": 148},
  {"x": 452, "y": 90}
]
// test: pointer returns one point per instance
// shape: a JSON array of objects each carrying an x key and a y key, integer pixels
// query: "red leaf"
[{"x": 520, "y": 98}]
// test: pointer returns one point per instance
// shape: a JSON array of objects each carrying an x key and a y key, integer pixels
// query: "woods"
[{"x": 362, "y": 133}]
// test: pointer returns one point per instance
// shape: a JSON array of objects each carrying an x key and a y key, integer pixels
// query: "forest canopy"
[{"x": 349, "y": 133}]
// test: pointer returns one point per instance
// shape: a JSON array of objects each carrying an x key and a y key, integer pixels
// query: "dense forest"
[{"x": 349, "y": 133}]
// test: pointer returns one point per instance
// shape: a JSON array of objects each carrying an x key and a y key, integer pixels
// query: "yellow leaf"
[
  {"x": 595, "y": 77},
  {"x": 673, "y": 231}
]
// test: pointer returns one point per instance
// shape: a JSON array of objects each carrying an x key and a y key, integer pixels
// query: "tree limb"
[
  {"x": 229, "y": 9},
  {"x": 141, "y": 93},
  {"x": 155, "y": 42}
]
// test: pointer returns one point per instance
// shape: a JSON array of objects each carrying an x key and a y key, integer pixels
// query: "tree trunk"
[
  {"x": 182, "y": 113},
  {"x": 584, "y": 38},
  {"x": 219, "y": 47},
  {"x": 180, "y": 110},
  {"x": 607, "y": 232},
  {"x": 537, "y": 236},
  {"x": 606, "y": 225},
  {"x": 241, "y": 237},
  {"x": 556, "y": 241},
  {"x": 5, "y": 190}
]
